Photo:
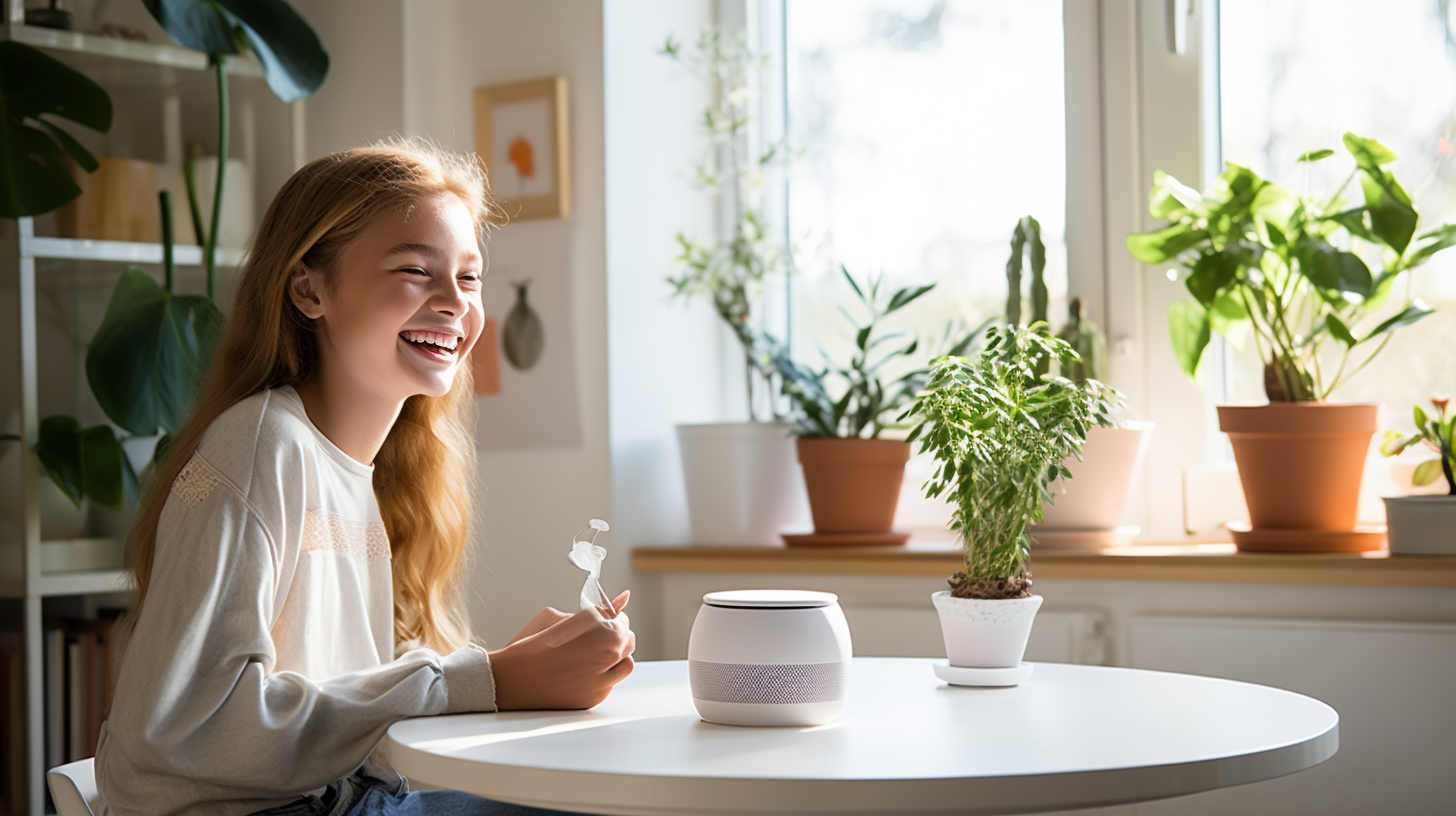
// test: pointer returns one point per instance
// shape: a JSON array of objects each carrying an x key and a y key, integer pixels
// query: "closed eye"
[{"x": 415, "y": 270}]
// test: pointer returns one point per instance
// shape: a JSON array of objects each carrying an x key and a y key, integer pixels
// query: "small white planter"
[
  {"x": 1095, "y": 498},
  {"x": 744, "y": 483},
  {"x": 1421, "y": 525},
  {"x": 985, "y": 634}
]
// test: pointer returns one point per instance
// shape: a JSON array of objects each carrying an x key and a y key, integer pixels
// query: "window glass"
[
  {"x": 924, "y": 131},
  {"x": 1295, "y": 76}
]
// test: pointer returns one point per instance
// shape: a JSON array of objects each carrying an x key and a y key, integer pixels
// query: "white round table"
[{"x": 1068, "y": 737}]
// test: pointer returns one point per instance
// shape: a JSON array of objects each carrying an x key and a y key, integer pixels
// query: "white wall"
[
  {"x": 664, "y": 354},
  {"x": 363, "y": 97},
  {"x": 533, "y": 500}
]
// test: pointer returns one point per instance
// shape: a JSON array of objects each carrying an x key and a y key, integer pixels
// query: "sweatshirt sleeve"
[{"x": 199, "y": 714}]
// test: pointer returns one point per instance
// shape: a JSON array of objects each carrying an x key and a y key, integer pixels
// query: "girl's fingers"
[
  {"x": 619, "y": 672},
  {"x": 620, "y": 602}
]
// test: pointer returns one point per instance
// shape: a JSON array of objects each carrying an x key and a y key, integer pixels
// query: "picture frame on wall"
[{"x": 521, "y": 134}]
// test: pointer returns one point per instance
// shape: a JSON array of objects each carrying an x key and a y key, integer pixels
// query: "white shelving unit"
[{"x": 151, "y": 82}]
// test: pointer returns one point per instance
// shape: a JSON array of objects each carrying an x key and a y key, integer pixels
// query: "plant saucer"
[{"x": 962, "y": 676}]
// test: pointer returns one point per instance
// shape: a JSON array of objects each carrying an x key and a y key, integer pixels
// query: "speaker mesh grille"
[{"x": 785, "y": 684}]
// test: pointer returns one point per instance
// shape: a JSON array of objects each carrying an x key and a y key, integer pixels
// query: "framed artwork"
[{"x": 521, "y": 133}]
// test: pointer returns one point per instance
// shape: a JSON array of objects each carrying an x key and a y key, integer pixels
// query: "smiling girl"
[{"x": 298, "y": 557}]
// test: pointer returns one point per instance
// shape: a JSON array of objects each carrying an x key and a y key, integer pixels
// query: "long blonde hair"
[{"x": 424, "y": 475}]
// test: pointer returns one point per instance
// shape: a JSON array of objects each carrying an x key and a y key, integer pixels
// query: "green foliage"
[
  {"x": 730, "y": 271},
  {"x": 1292, "y": 271},
  {"x": 1026, "y": 241},
  {"x": 1087, "y": 340},
  {"x": 33, "y": 174},
  {"x": 294, "y": 61},
  {"x": 867, "y": 398},
  {"x": 999, "y": 432},
  {"x": 149, "y": 354},
  {"x": 1436, "y": 433}
]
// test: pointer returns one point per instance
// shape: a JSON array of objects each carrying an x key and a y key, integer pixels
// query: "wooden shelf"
[
  {"x": 53, "y": 584},
  {"x": 129, "y": 64},
  {"x": 1194, "y": 563}
]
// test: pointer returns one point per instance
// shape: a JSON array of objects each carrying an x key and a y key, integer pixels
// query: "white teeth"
[{"x": 448, "y": 341}]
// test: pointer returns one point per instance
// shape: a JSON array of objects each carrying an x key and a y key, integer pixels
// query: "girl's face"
[{"x": 404, "y": 306}]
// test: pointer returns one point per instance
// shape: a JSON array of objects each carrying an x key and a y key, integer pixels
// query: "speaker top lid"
[{"x": 770, "y": 599}]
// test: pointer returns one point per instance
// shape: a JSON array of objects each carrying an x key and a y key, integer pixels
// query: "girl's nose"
[{"x": 450, "y": 299}]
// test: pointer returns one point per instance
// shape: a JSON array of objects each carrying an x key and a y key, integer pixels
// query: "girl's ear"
[{"x": 304, "y": 286}]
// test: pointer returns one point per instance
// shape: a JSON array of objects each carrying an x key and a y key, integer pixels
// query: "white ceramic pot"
[
  {"x": 770, "y": 657},
  {"x": 983, "y": 634},
  {"x": 1421, "y": 525},
  {"x": 744, "y": 483},
  {"x": 1096, "y": 495}
]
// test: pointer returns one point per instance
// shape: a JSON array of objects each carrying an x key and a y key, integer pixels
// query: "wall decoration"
[
  {"x": 521, "y": 133},
  {"x": 536, "y": 404},
  {"x": 485, "y": 360},
  {"x": 524, "y": 336}
]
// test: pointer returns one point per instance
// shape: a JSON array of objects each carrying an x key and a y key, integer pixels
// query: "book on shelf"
[{"x": 76, "y": 676}]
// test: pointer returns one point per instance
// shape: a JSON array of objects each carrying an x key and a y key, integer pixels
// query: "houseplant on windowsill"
[
  {"x": 743, "y": 485},
  {"x": 1425, "y": 525},
  {"x": 852, "y": 474},
  {"x": 1087, "y": 511},
  {"x": 999, "y": 431},
  {"x": 1312, "y": 281}
]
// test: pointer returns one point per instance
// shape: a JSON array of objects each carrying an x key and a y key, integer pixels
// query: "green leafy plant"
[
  {"x": 730, "y": 272},
  {"x": 153, "y": 345},
  {"x": 868, "y": 395},
  {"x": 33, "y": 174},
  {"x": 1292, "y": 271},
  {"x": 1436, "y": 433},
  {"x": 999, "y": 431}
]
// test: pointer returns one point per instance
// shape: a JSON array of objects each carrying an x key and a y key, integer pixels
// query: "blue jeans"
[{"x": 361, "y": 795}]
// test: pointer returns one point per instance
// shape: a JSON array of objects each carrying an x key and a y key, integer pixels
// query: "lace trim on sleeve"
[
  {"x": 195, "y": 482},
  {"x": 327, "y": 532}
]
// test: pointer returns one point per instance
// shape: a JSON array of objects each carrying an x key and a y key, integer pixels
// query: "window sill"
[{"x": 1197, "y": 563}]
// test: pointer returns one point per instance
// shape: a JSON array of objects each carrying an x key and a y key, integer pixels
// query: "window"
[{"x": 927, "y": 129}]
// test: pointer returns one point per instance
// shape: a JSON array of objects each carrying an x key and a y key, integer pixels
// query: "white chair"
[{"x": 73, "y": 788}]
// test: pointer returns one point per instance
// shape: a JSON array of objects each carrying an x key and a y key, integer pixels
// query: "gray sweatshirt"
[{"x": 263, "y": 664}]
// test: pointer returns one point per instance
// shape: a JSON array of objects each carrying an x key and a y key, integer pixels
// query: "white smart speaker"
[{"x": 769, "y": 657}]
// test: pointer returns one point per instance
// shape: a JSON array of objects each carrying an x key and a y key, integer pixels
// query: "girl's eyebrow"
[
  {"x": 417, "y": 249},
  {"x": 428, "y": 250}
]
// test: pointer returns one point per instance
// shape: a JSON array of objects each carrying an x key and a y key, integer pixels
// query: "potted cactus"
[
  {"x": 999, "y": 431},
  {"x": 1086, "y": 511},
  {"x": 1424, "y": 525},
  {"x": 852, "y": 473},
  {"x": 1313, "y": 282}
]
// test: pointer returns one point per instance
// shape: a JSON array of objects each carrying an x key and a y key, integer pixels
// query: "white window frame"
[{"x": 1142, "y": 95}]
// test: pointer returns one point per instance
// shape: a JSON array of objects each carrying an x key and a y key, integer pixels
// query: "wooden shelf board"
[
  {"x": 125, "y": 63},
  {"x": 1196, "y": 563}
]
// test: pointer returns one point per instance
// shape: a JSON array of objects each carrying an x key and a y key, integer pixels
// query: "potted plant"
[
  {"x": 852, "y": 474},
  {"x": 1425, "y": 525},
  {"x": 1087, "y": 510},
  {"x": 1313, "y": 282},
  {"x": 153, "y": 344},
  {"x": 743, "y": 484},
  {"x": 999, "y": 432}
]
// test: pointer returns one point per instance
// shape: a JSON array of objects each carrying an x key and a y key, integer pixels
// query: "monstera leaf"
[
  {"x": 33, "y": 174},
  {"x": 86, "y": 462},
  {"x": 293, "y": 59},
  {"x": 150, "y": 353}
]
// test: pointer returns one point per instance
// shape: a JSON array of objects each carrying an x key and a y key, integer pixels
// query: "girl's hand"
[
  {"x": 550, "y": 615},
  {"x": 571, "y": 663}
]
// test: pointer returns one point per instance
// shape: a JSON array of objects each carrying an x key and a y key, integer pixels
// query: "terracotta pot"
[
  {"x": 1300, "y": 462},
  {"x": 854, "y": 484}
]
